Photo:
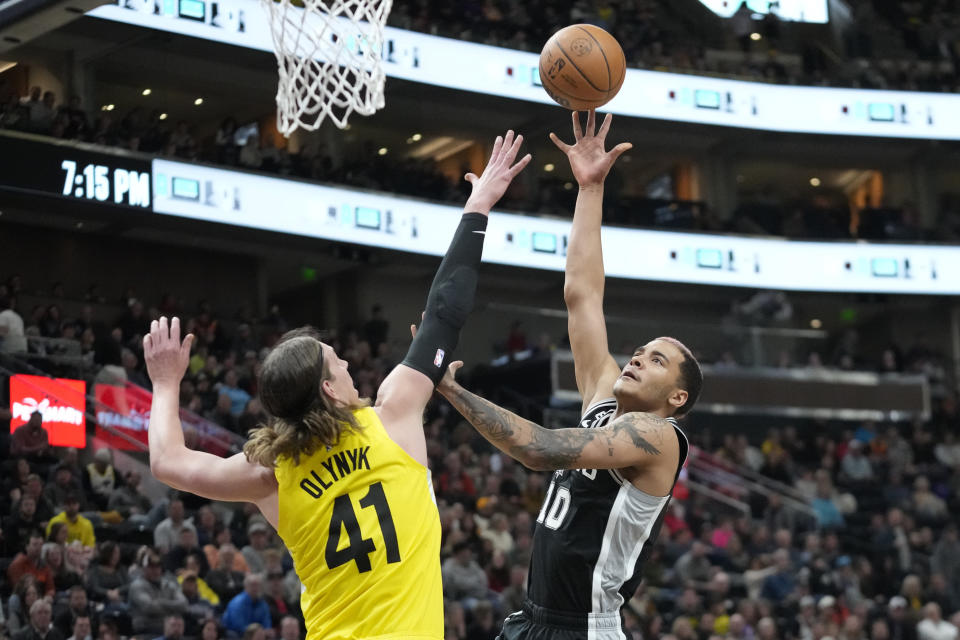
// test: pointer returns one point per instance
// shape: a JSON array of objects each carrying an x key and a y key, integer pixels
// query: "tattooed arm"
[{"x": 633, "y": 439}]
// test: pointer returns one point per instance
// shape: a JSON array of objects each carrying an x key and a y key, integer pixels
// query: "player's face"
[
  {"x": 649, "y": 381},
  {"x": 340, "y": 385}
]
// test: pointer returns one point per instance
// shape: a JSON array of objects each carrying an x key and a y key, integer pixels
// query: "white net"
[{"x": 329, "y": 54}]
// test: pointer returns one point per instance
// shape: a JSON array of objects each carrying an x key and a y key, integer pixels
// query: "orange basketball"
[{"x": 582, "y": 67}]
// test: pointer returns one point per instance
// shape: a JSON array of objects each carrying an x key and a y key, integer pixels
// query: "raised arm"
[
  {"x": 232, "y": 479},
  {"x": 405, "y": 391},
  {"x": 632, "y": 440},
  {"x": 595, "y": 368}
]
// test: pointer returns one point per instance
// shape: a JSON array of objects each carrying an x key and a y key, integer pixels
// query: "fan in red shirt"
[{"x": 28, "y": 561}]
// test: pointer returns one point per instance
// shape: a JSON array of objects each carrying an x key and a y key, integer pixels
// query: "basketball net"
[{"x": 329, "y": 56}]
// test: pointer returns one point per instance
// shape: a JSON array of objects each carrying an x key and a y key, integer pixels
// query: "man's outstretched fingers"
[
  {"x": 496, "y": 149},
  {"x": 577, "y": 131},
  {"x": 563, "y": 146},
  {"x": 619, "y": 149},
  {"x": 605, "y": 127},
  {"x": 517, "y": 168},
  {"x": 185, "y": 347},
  {"x": 512, "y": 151}
]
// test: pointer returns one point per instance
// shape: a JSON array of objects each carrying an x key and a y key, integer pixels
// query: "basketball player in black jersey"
[{"x": 613, "y": 475}]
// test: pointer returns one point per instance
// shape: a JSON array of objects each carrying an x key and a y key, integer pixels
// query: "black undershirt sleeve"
[{"x": 450, "y": 300}]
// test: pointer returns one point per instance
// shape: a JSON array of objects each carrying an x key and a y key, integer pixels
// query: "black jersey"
[{"x": 593, "y": 533}]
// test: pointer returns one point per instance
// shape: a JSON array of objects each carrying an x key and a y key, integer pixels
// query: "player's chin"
[
  {"x": 624, "y": 389},
  {"x": 628, "y": 393}
]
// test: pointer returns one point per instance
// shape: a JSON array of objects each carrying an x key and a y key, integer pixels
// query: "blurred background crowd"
[{"x": 872, "y": 551}]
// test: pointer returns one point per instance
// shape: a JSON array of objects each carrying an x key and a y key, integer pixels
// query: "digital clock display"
[
  {"x": 103, "y": 183},
  {"x": 76, "y": 172}
]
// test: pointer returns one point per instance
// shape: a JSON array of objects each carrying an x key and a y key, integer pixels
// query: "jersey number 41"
[{"x": 359, "y": 548}]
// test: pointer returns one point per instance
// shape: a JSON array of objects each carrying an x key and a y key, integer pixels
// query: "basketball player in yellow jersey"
[{"x": 346, "y": 485}]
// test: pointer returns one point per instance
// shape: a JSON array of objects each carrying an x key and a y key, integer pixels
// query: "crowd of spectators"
[
  {"x": 656, "y": 35},
  {"x": 362, "y": 166},
  {"x": 150, "y": 132},
  {"x": 874, "y": 556}
]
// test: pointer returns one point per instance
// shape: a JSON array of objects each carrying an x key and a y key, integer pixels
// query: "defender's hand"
[
  {"x": 588, "y": 159},
  {"x": 449, "y": 382},
  {"x": 497, "y": 176},
  {"x": 166, "y": 356}
]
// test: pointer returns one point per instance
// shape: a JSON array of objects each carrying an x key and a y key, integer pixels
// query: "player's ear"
[
  {"x": 326, "y": 389},
  {"x": 678, "y": 398}
]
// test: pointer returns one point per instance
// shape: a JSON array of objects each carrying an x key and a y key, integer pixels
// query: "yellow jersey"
[{"x": 361, "y": 522}]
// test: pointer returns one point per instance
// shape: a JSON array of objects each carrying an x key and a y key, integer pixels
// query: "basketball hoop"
[{"x": 329, "y": 54}]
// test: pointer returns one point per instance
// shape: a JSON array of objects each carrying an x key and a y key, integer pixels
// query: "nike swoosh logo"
[{"x": 483, "y": 233}]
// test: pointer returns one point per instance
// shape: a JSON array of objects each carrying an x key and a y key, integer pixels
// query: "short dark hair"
[
  {"x": 690, "y": 378},
  {"x": 55, "y": 528},
  {"x": 106, "y": 552}
]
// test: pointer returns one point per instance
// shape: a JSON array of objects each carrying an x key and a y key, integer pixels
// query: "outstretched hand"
[
  {"x": 166, "y": 356},
  {"x": 449, "y": 380},
  {"x": 588, "y": 159},
  {"x": 500, "y": 171}
]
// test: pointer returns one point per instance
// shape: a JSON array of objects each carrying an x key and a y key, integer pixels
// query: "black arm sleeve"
[{"x": 450, "y": 300}]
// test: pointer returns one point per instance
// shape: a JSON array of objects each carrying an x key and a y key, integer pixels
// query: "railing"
[
  {"x": 753, "y": 345},
  {"x": 61, "y": 351},
  {"x": 742, "y": 483}
]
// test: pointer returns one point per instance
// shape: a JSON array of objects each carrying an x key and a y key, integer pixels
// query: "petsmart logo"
[
  {"x": 51, "y": 413},
  {"x": 61, "y": 401}
]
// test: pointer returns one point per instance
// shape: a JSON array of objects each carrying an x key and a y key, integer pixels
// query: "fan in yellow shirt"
[
  {"x": 197, "y": 587},
  {"x": 78, "y": 527}
]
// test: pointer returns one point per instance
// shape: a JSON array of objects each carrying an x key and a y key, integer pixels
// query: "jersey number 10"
[
  {"x": 555, "y": 506},
  {"x": 360, "y": 548}
]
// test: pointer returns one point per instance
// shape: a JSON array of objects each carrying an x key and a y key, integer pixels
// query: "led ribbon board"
[
  {"x": 791, "y": 10},
  {"x": 402, "y": 224}
]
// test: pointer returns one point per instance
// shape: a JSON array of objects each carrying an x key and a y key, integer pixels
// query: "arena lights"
[
  {"x": 436, "y": 61},
  {"x": 146, "y": 92}
]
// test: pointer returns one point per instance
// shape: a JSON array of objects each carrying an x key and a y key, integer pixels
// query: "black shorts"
[{"x": 538, "y": 623}]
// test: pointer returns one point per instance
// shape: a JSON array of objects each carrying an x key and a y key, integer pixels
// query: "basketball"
[{"x": 582, "y": 67}]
